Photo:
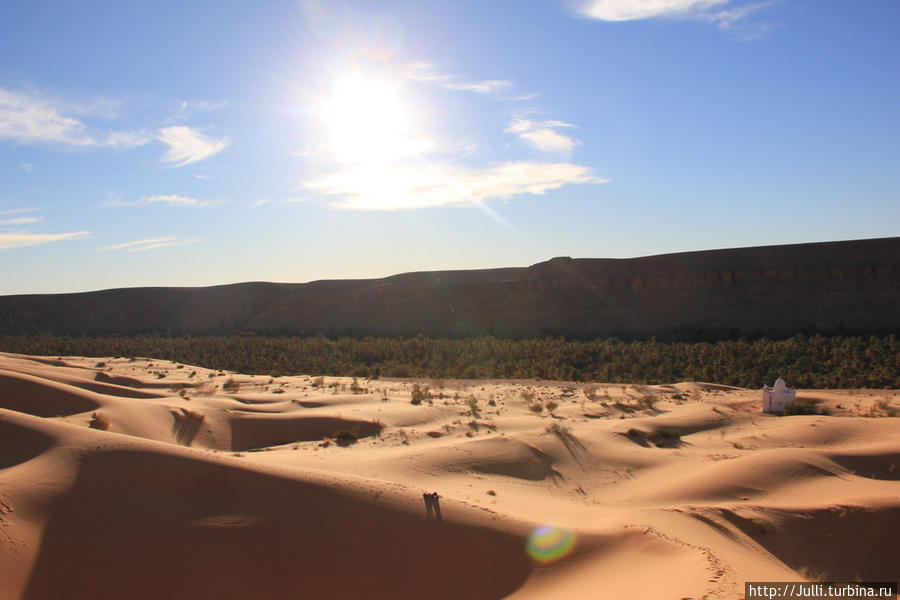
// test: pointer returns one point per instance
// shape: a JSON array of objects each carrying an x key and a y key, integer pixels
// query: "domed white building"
[{"x": 774, "y": 398}]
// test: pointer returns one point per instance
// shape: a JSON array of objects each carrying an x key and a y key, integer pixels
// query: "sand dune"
[{"x": 142, "y": 478}]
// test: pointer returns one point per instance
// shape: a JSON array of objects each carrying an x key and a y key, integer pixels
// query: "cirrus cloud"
[
  {"x": 30, "y": 118},
  {"x": 188, "y": 146},
  {"x": 420, "y": 186},
  {"x": 21, "y": 239}
]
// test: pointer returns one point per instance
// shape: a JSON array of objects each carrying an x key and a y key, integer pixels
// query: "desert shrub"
[
  {"x": 551, "y": 406},
  {"x": 318, "y": 382},
  {"x": 764, "y": 525},
  {"x": 558, "y": 428},
  {"x": 472, "y": 403},
  {"x": 100, "y": 365},
  {"x": 356, "y": 388},
  {"x": 647, "y": 401},
  {"x": 344, "y": 437},
  {"x": 590, "y": 390},
  {"x": 99, "y": 421},
  {"x": 664, "y": 436},
  {"x": 231, "y": 386},
  {"x": 418, "y": 394},
  {"x": 537, "y": 408},
  {"x": 804, "y": 406}
]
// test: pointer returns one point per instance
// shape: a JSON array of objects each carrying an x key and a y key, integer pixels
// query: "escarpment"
[{"x": 830, "y": 287}]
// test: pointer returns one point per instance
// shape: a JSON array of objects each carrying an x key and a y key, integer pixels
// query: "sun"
[{"x": 367, "y": 122}]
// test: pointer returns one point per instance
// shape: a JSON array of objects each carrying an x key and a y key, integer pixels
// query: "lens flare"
[{"x": 548, "y": 543}]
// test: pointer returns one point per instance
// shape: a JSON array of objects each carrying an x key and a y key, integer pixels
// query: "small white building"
[{"x": 774, "y": 398}]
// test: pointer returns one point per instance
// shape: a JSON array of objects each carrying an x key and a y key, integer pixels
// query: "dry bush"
[
  {"x": 186, "y": 424},
  {"x": 537, "y": 408},
  {"x": 647, "y": 401},
  {"x": 559, "y": 429},
  {"x": 590, "y": 391},
  {"x": 472, "y": 403},
  {"x": 664, "y": 436},
  {"x": 419, "y": 393},
  {"x": 99, "y": 421}
]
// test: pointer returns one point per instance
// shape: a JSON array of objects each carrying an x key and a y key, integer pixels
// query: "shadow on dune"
[
  {"x": 19, "y": 444},
  {"x": 41, "y": 398},
  {"x": 837, "y": 543},
  {"x": 258, "y": 430},
  {"x": 148, "y": 525}
]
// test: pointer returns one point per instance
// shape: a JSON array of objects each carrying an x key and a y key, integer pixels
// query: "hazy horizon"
[{"x": 149, "y": 144}]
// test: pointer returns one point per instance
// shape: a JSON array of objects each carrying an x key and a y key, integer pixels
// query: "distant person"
[{"x": 432, "y": 505}]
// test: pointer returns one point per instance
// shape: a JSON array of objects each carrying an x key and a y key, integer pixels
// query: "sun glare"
[{"x": 367, "y": 123}]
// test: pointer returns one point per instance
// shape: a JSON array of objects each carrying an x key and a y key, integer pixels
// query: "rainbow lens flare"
[{"x": 548, "y": 543}]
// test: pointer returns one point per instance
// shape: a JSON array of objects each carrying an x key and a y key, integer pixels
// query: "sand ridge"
[{"x": 114, "y": 471}]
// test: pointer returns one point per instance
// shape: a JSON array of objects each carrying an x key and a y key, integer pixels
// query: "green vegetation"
[{"x": 804, "y": 361}]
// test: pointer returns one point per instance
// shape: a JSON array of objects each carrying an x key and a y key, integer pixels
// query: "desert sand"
[{"x": 144, "y": 478}]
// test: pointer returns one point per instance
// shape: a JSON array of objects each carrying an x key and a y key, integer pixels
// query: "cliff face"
[{"x": 836, "y": 286}]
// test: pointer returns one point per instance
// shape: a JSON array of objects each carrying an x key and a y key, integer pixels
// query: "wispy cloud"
[
  {"x": 198, "y": 176},
  {"x": 20, "y": 221},
  {"x": 17, "y": 211},
  {"x": 722, "y": 13},
  {"x": 426, "y": 73},
  {"x": 173, "y": 200},
  {"x": 188, "y": 146},
  {"x": 263, "y": 201},
  {"x": 543, "y": 135},
  {"x": 28, "y": 118},
  {"x": 480, "y": 87},
  {"x": 189, "y": 108},
  {"x": 27, "y": 167},
  {"x": 419, "y": 186},
  {"x": 22, "y": 239},
  {"x": 140, "y": 243},
  {"x": 159, "y": 199},
  {"x": 151, "y": 244}
]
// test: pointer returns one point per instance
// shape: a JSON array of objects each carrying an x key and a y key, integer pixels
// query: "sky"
[{"x": 202, "y": 143}]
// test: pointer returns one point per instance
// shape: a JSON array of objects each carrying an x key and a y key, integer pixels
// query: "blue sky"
[{"x": 168, "y": 143}]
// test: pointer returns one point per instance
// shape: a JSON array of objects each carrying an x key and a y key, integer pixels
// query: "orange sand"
[{"x": 197, "y": 492}]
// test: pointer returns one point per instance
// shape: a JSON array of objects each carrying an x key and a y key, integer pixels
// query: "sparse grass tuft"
[{"x": 231, "y": 386}]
